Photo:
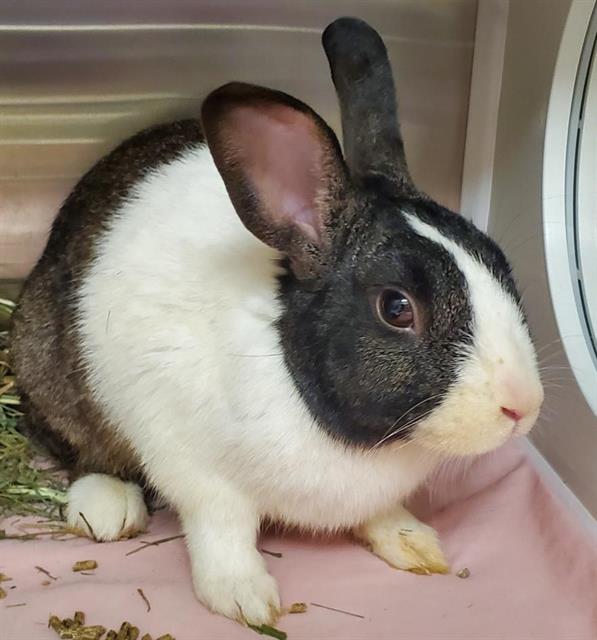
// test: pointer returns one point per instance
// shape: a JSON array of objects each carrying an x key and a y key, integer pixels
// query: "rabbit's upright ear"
[
  {"x": 282, "y": 167},
  {"x": 362, "y": 75}
]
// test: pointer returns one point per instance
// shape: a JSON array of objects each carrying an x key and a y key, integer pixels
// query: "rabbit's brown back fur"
[{"x": 61, "y": 411}]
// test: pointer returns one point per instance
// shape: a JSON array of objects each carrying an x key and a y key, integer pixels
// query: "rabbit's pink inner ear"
[{"x": 280, "y": 150}]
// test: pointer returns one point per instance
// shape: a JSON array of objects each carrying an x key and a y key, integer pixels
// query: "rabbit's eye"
[{"x": 394, "y": 308}]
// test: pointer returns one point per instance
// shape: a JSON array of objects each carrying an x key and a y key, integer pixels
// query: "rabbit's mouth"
[{"x": 472, "y": 421}]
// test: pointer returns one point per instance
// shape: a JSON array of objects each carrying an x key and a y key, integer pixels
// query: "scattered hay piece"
[
  {"x": 463, "y": 573},
  {"x": 85, "y": 565},
  {"x": 147, "y": 603},
  {"x": 46, "y": 583},
  {"x": 147, "y": 637},
  {"x": 2, "y": 593},
  {"x": 55, "y": 534},
  {"x": 19, "y": 604},
  {"x": 54, "y": 623},
  {"x": 348, "y": 613},
  {"x": 46, "y": 572},
  {"x": 266, "y": 630},
  {"x": 69, "y": 623},
  {"x": 154, "y": 543},
  {"x": 4, "y": 578},
  {"x": 298, "y": 607}
]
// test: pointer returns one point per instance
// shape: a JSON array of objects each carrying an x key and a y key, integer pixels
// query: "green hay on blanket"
[{"x": 26, "y": 487}]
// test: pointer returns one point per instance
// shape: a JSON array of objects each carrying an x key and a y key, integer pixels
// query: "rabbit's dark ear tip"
[{"x": 344, "y": 31}]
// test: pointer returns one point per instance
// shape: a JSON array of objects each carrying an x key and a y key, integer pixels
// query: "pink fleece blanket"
[{"x": 533, "y": 575}]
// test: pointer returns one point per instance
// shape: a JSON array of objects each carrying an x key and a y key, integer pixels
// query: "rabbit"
[{"x": 235, "y": 315}]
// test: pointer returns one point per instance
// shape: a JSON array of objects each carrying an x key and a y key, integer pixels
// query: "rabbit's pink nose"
[{"x": 513, "y": 414}]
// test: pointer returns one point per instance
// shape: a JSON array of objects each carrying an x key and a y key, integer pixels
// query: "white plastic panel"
[
  {"x": 569, "y": 196},
  {"x": 586, "y": 205}
]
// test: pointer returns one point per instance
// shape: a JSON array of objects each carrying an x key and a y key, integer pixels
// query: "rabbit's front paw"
[
  {"x": 105, "y": 508},
  {"x": 249, "y": 597},
  {"x": 404, "y": 543}
]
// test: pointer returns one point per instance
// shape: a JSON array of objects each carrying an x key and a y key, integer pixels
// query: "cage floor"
[{"x": 533, "y": 575}]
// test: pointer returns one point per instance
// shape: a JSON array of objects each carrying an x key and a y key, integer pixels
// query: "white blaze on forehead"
[
  {"x": 493, "y": 307},
  {"x": 501, "y": 340}
]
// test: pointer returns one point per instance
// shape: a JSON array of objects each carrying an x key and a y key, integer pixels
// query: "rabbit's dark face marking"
[
  {"x": 367, "y": 383},
  {"x": 361, "y": 378}
]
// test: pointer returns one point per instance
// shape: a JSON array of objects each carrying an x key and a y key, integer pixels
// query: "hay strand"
[{"x": 26, "y": 487}]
